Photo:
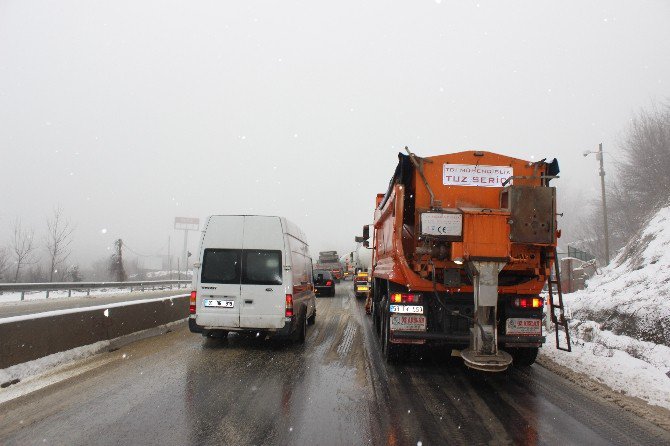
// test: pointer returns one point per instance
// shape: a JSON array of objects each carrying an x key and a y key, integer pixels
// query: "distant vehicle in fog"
[
  {"x": 254, "y": 274},
  {"x": 324, "y": 283},
  {"x": 330, "y": 260},
  {"x": 361, "y": 284}
]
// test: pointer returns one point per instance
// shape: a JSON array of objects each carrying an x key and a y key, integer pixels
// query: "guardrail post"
[
  {"x": 47, "y": 294},
  {"x": 23, "y": 293},
  {"x": 69, "y": 293},
  {"x": 88, "y": 292}
]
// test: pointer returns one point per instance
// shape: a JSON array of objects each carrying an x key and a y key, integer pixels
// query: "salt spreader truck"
[{"x": 462, "y": 247}]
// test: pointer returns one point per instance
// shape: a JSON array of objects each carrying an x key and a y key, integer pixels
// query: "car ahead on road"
[
  {"x": 361, "y": 284},
  {"x": 253, "y": 275},
  {"x": 324, "y": 283}
]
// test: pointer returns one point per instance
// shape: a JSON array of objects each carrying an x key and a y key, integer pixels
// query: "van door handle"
[{"x": 248, "y": 301}]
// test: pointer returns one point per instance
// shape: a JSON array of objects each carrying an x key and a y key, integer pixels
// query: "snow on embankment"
[
  {"x": 620, "y": 324},
  {"x": 632, "y": 295}
]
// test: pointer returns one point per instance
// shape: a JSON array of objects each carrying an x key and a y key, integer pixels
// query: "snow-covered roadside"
[
  {"x": 620, "y": 324},
  {"x": 41, "y": 295},
  {"x": 631, "y": 367},
  {"x": 30, "y": 376}
]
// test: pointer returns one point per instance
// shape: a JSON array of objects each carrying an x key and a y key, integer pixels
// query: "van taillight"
[
  {"x": 289, "y": 305},
  {"x": 329, "y": 283},
  {"x": 528, "y": 302},
  {"x": 191, "y": 306}
]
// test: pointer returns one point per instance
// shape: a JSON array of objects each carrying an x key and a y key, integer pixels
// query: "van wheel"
[
  {"x": 301, "y": 332},
  {"x": 312, "y": 319}
]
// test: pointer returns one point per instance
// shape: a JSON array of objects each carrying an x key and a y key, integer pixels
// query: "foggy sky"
[{"x": 129, "y": 113}]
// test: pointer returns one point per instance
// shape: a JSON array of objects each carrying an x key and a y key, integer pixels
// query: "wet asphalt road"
[{"x": 180, "y": 388}]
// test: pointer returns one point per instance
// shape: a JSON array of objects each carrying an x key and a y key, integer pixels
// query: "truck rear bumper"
[{"x": 463, "y": 339}]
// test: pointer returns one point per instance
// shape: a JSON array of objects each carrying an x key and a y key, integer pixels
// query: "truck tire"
[
  {"x": 375, "y": 318},
  {"x": 312, "y": 319},
  {"x": 523, "y": 357}
]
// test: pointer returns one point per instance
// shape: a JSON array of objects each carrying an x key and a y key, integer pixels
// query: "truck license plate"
[
  {"x": 361, "y": 288},
  {"x": 416, "y": 309},
  {"x": 524, "y": 327},
  {"x": 219, "y": 303},
  {"x": 406, "y": 322}
]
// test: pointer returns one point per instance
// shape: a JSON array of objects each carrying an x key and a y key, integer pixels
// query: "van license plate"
[
  {"x": 219, "y": 303},
  {"x": 361, "y": 288},
  {"x": 523, "y": 327},
  {"x": 408, "y": 322}
]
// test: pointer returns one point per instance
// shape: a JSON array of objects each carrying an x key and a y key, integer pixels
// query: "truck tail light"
[
  {"x": 289, "y": 305},
  {"x": 528, "y": 302},
  {"x": 191, "y": 303},
  {"x": 399, "y": 298},
  {"x": 329, "y": 283}
]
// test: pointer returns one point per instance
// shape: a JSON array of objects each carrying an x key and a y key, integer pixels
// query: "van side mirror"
[{"x": 359, "y": 239}]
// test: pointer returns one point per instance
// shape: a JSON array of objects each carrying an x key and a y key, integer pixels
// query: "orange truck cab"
[{"x": 462, "y": 246}]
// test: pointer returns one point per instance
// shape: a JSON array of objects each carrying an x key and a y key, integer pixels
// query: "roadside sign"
[{"x": 187, "y": 223}]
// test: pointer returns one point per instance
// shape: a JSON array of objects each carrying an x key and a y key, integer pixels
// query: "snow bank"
[
  {"x": 632, "y": 295},
  {"x": 620, "y": 324},
  {"x": 629, "y": 366}
]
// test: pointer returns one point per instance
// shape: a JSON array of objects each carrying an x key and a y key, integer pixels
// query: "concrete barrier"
[{"x": 29, "y": 337}]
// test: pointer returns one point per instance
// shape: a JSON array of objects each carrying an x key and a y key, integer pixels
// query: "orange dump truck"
[{"x": 462, "y": 246}]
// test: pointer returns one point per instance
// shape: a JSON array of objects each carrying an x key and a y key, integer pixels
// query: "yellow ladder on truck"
[{"x": 558, "y": 320}]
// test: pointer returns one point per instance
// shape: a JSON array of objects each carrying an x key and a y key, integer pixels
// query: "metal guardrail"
[{"x": 88, "y": 286}]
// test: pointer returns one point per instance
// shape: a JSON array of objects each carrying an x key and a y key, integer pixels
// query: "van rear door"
[
  {"x": 219, "y": 290},
  {"x": 263, "y": 260}
]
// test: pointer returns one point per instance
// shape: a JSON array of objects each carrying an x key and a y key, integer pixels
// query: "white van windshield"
[
  {"x": 261, "y": 267},
  {"x": 221, "y": 266},
  {"x": 248, "y": 266}
]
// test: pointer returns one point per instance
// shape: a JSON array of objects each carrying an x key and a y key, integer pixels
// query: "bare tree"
[
  {"x": 642, "y": 184},
  {"x": 4, "y": 263},
  {"x": 23, "y": 247},
  {"x": 639, "y": 186},
  {"x": 58, "y": 240}
]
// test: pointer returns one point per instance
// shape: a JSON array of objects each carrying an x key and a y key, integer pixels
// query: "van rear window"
[
  {"x": 262, "y": 267},
  {"x": 221, "y": 266}
]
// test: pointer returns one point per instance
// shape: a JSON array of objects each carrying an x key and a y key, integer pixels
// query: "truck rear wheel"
[
  {"x": 523, "y": 357},
  {"x": 375, "y": 317}
]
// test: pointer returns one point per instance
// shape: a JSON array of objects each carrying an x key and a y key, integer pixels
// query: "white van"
[{"x": 254, "y": 274}]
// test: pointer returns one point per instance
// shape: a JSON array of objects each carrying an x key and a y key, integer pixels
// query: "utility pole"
[
  {"x": 602, "y": 190},
  {"x": 169, "y": 258},
  {"x": 599, "y": 157}
]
